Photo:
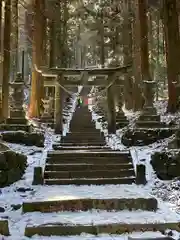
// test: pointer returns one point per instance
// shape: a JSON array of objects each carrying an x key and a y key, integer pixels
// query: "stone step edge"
[
  {"x": 56, "y": 152},
  {"x": 58, "y": 229},
  {"x": 90, "y": 181},
  {"x": 85, "y": 204}
]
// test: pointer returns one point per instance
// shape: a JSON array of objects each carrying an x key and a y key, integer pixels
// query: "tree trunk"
[
  {"x": 1, "y": 42},
  {"x": 172, "y": 43},
  {"x": 137, "y": 90},
  {"x": 51, "y": 44},
  {"x": 142, "y": 26},
  {"x": 6, "y": 63},
  {"x": 1, "y": 35},
  {"x": 127, "y": 54},
  {"x": 37, "y": 86},
  {"x": 14, "y": 38}
]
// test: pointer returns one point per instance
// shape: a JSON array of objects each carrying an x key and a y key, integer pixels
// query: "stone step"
[
  {"x": 89, "y": 181},
  {"x": 150, "y": 124},
  {"x": 58, "y": 229},
  {"x": 96, "y": 132},
  {"x": 14, "y": 127},
  {"x": 121, "y": 124},
  {"x": 121, "y": 119},
  {"x": 84, "y": 144},
  {"x": 57, "y": 146},
  {"x": 89, "y": 174},
  {"x": 83, "y": 136},
  {"x": 85, "y": 167},
  {"x": 81, "y": 140},
  {"x": 90, "y": 160},
  {"x": 82, "y": 130},
  {"x": 80, "y": 127},
  {"x": 85, "y": 204},
  {"x": 86, "y": 153},
  {"x": 149, "y": 118}
]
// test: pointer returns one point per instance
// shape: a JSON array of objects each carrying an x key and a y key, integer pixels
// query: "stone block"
[
  {"x": 38, "y": 176},
  {"x": 141, "y": 174},
  {"x": 17, "y": 113},
  {"x": 4, "y": 228}
]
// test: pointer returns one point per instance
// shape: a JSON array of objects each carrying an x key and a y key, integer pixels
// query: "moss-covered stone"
[
  {"x": 144, "y": 137},
  {"x": 21, "y": 137},
  {"x": 12, "y": 167},
  {"x": 166, "y": 165}
]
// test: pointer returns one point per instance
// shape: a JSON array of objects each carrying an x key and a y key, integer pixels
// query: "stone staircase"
[
  {"x": 74, "y": 163},
  {"x": 83, "y": 158}
]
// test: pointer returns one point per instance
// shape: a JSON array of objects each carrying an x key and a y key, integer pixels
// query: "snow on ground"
[{"x": 169, "y": 191}]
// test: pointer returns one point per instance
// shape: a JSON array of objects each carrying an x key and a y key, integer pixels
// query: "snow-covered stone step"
[
  {"x": 88, "y": 152},
  {"x": 90, "y": 181},
  {"x": 68, "y": 230},
  {"x": 50, "y": 193},
  {"x": 87, "y": 166},
  {"x": 149, "y": 204},
  {"x": 94, "y": 222},
  {"x": 131, "y": 236},
  {"x": 95, "y": 143},
  {"x": 118, "y": 173},
  {"x": 97, "y": 148}
]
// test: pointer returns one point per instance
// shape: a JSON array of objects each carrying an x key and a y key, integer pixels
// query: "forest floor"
[{"x": 167, "y": 192}]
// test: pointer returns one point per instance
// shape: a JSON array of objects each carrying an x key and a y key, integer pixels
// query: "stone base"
[
  {"x": 47, "y": 119},
  {"x": 149, "y": 111},
  {"x": 121, "y": 124},
  {"x": 17, "y": 121},
  {"x": 17, "y": 113},
  {"x": 14, "y": 127},
  {"x": 174, "y": 144}
]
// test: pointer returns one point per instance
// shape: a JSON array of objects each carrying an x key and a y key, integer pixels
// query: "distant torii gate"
[{"x": 58, "y": 77}]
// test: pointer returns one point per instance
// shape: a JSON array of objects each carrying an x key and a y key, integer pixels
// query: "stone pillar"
[
  {"x": 149, "y": 97},
  {"x": 17, "y": 113},
  {"x": 58, "y": 113},
  {"x": 111, "y": 112}
]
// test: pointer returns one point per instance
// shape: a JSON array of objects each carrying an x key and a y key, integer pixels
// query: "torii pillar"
[
  {"x": 58, "y": 110},
  {"x": 111, "y": 111}
]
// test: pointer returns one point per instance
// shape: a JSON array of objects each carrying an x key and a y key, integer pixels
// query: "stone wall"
[{"x": 12, "y": 167}]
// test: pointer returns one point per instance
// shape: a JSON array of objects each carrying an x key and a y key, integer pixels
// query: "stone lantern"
[{"x": 17, "y": 113}]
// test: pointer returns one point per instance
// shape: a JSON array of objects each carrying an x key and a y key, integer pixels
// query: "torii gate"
[{"x": 58, "y": 77}]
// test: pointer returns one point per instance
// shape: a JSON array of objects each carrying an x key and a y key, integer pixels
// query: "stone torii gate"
[{"x": 107, "y": 77}]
